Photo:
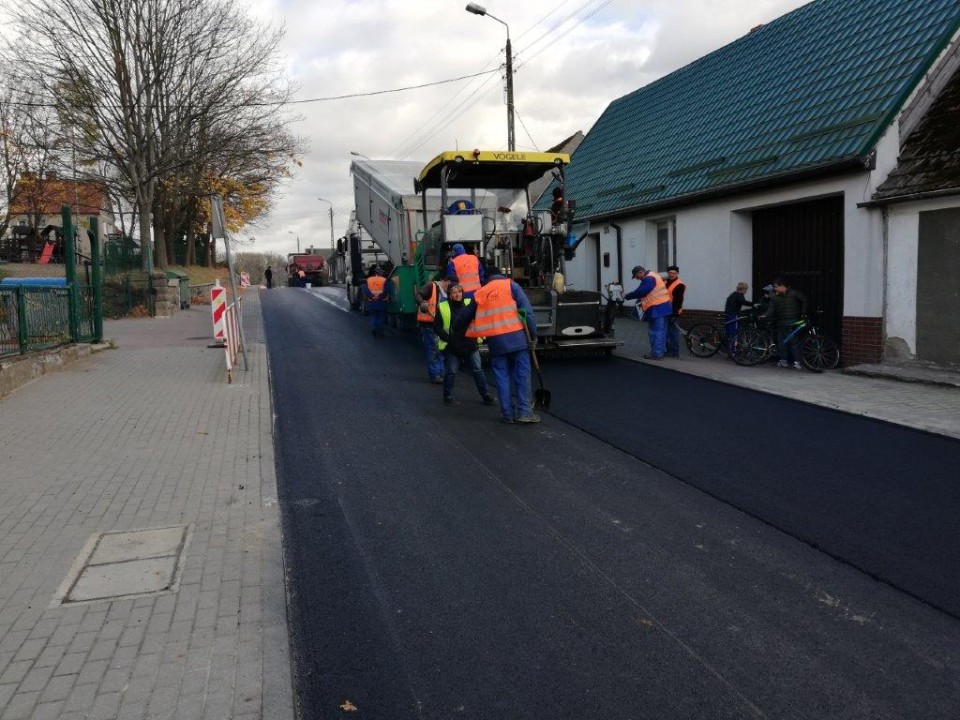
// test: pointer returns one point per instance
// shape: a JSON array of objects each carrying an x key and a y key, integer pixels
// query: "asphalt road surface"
[{"x": 659, "y": 547}]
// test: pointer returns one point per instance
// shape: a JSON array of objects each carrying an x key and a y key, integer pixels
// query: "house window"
[{"x": 664, "y": 241}]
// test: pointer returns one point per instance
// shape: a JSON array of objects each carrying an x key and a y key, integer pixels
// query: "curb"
[{"x": 17, "y": 371}]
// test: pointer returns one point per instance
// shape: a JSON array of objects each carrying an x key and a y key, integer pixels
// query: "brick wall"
[{"x": 862, "y": 340}]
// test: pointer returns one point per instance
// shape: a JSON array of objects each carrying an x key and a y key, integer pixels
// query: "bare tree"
[{"x": 144, "y": 78}]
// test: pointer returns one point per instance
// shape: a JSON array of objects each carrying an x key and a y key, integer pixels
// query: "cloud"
[{"x": 566, "y": 74}]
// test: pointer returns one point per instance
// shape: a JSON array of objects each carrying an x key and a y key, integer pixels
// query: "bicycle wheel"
[
  {"x": 819, "y": 353},
  {"x": 703, "y": 340},
  {"x": 751, "y": 347}
]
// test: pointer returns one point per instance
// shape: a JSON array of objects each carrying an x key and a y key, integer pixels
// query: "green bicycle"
[{"x": 817, "y": 351}]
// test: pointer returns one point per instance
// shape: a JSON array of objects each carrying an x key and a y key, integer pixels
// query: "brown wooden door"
[{"x": 803, "y": 243}]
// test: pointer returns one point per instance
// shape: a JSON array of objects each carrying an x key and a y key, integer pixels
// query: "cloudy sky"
[{"x": 572, "y": 57}]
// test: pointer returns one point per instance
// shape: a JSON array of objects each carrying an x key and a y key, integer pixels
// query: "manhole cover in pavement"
[{"x": 119, "y": 564}]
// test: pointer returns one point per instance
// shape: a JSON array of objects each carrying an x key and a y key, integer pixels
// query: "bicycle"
[
  {"x": 706, "y": 340},
  {"x": 817, "y": 351}
]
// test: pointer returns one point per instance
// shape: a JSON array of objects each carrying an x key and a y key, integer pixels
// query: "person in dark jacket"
[
  {"x": 501, "y": 301},
  {"x": 676, "y": 287},
  {"x": 787, "y": 307},
  {"x": 268, "y": 276},
  {"x": 736, "y": 301},
  {"x": 458, "y": 350}
]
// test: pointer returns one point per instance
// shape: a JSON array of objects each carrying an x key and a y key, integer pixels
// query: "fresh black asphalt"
[{"x": 441, "y": 565}]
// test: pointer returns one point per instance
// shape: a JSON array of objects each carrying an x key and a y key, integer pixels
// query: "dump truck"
[
  {"x": 313, "y": 265},
  {"x": 530, "y": 248},
  {"x": 362, "y": 254}
]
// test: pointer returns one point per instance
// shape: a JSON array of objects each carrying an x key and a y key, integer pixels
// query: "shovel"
[{"x": 541, "y": 397}]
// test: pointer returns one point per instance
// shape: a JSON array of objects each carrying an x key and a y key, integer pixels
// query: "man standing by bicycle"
[
  {"x": 788, "y": 307},
  {"x": 676, "y": 288}
]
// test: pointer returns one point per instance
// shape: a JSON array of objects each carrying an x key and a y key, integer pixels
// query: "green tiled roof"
[{"x": 813, "y": 89}]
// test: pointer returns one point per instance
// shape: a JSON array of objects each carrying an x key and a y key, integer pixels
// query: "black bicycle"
[
  {"x": 758, "y": 344},
  {"x": 706, "y": 339}
]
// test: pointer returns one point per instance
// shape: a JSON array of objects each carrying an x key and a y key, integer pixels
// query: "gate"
[{"x": 803, "y": 243}]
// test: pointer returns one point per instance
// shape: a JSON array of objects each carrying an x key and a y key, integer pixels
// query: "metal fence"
[{"x": 36, "y": 318}]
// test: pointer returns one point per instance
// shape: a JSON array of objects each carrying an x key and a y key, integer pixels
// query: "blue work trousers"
[
  {"x": 511, "y": 375},
  {"x": 431, "y": 353},
  {"x": 378, "y": 319},
  {"x": 673, "y": 335},
  {"x": 658, "y": 335},
  {"x": 452, "y": 365}
]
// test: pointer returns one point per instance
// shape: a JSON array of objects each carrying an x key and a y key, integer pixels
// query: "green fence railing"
[{"x": 37, "y": 318}]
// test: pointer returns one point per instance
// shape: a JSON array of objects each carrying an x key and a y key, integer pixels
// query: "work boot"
[
  {"x": 528, "y": 419},
  {"x": 437, "y": 380},
  {"x": 797, "y": 365},
  {"x": 783, "y": 363},
  {"x": 506, "y": 420},
  {"x": 488, "y": 399},
  {"x": 450, "y": 401},
  {"x": 648, "y": 356}
]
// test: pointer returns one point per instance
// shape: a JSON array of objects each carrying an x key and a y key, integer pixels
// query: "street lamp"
[
  {"x": 480, "y": 10},
  {"x": 332, "y": 244},
  {"x": 291, "y": 232}
]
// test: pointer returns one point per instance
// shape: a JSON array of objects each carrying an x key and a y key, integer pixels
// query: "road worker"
[
  {"x": 494, "y": 315},
  {"x": 429, "y": 296},
  {"x": 377, "y": 293},
  {"x": 655, "y": 304},
  {"x": 458, "y": 349},
  {"x": 676, "y": 287},
  {"x": 467, "y": 269}
]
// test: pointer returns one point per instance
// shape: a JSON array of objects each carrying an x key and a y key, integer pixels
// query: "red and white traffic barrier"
[
  {"x": 218, "y": 306},
  {"x": 231, "y": 340}
]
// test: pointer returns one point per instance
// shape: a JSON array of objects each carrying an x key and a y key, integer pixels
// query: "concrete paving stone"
[
  {"x": 92, "y": 672},
  {"x": 102, "y": 650},
  {"x": 20, "y": 706},
  {"x": 170, "y": 675},
  {"x": 219, "y": 705},
  {"x": 48, "y": 711},
  {"x": 153, "y": 644},
  {"x": 30, "y": 650},
  {"x": 132, "y": 636},
  {"x": 206, "y": 618},
  {"x": 247, "y": 701},
  {"x": 124, "y": 657},
  {"x": 105, "y": 706},
  {"x": 138, "y": 545},
  {"x": 82, "y": 642},
  {"x": 93, "y": 621},
  {"x": 71, "y": 664},
  {"x": 36, "y": 679},
  {"x": 112, "y": 630},
  {"x": 228, "y": 626},
  {"x": 115, "y": 680},
  {"x": 5, "y": 659},
  {"x": 163, "y": 700},
  {"x": 190, "y": 707},
  {"x": 7, "y": 692},
  {"x": 81, "y": 697},
  {"x": 15, "y": 672},
  {"x": 44, "y": 628},
  {"x": 12, "y": 641}
]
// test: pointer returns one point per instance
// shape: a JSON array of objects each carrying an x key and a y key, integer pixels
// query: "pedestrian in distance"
[
  {"x": 466, "y": 268},
  {"x": 495, "y": 314},
  {"x": 377, "y": 293},
  {"x": 655, "y": 306},
  {"x": 736, "y": 301},
  {"x": 676, "y": 287},
  {"x": 268, "y": 276},
  {"x": 429, "y": 297},
  {"x": 458, "y": 350},
  {"x": 302, "y": 278},
  {"x": 787, "y": 307}
]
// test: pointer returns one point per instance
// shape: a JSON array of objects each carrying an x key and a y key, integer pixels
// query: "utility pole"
[{"x": 333, "y": 245}]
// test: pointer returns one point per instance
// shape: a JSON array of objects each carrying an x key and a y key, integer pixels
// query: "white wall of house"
[
  {"x": 903, "y": 242},
  {"x": 714, "y": 242}
]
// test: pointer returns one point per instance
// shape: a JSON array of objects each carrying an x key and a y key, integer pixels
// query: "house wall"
[{"x": 903, "y": 242}]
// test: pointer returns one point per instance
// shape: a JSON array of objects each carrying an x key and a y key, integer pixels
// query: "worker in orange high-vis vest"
[
  {"x": 376, "y": 294},
  {"x": 655, "y": 303},
  {"x": 676, "y": 287},
  {"x": 494, "y": 315},
  {"x": 428, "y": 298},
  {"x": 465, "y": 269}
]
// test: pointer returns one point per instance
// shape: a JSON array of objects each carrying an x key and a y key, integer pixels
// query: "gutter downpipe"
[{"x": 619, "y": 251}]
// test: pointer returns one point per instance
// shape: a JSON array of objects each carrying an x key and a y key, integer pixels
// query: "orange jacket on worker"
[
  {"x": 496, "y": 311},
  {"x": 658, "y": 296},
  {"x": 375, "y": 284},
  {"x": 468, "y": 271},
  {"x": 431, "y": 305}
]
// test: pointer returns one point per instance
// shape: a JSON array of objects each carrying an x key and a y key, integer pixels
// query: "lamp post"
[
  {"x": 291, "y": 232},
  {"x": 332, "y": 244},
  {"x": 480, "y": 10}
]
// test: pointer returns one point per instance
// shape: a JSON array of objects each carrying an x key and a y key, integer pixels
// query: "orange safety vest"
[
  {"x": 658, "y": 296},
  {"x": 468, "y": 272},
  {"x": 670, "y": 288},
  {"x": 375, "y": 285},
  {"x": 427, "y": 317},
  {"x": 497, "y": 312}
]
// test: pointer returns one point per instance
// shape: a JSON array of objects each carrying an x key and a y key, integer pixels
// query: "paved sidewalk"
[
  {"x": 145, "y": 436},
  {"x": 918, "y": 404}
]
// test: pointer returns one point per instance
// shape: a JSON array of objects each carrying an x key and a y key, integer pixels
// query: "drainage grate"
[{"x": 121, "y": 564}]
